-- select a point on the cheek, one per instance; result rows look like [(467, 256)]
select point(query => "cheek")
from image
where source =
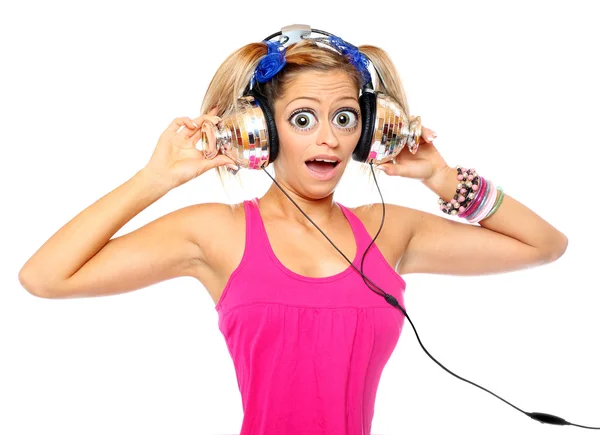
[(355, 136), (291, 145), (291, 139), (285, 134), (288, 140), (356, 133)]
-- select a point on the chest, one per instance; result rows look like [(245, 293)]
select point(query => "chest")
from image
[(303, 251), (307, 252)]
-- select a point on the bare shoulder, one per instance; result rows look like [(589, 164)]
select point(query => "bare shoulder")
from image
[(397, 217), (208, 223), (219, 232), (397, 231)]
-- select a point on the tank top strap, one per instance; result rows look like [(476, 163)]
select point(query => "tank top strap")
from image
[(363, 239), (253, 225)]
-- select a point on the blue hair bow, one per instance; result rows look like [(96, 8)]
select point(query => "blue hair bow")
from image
[(354, 56), (271, 64)]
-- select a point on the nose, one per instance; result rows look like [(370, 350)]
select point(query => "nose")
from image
[(326, 135)]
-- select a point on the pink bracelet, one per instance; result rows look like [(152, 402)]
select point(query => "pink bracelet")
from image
[(475, 211), (477, 200), (491, 199)]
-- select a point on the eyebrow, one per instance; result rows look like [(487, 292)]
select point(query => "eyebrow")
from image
[(318, 101)]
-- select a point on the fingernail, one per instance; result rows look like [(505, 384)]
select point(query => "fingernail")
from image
[(232, 169), (434, 134), (194, 124)]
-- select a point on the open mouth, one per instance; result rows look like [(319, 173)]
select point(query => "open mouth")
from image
[(322, 169), (322, 166)]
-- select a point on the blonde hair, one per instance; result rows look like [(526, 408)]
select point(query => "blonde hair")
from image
[(234, 74)]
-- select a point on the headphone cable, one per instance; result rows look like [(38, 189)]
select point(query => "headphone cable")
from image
[(538, 416)]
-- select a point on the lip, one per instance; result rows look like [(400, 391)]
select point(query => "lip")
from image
[(323, 176), (326, 157)]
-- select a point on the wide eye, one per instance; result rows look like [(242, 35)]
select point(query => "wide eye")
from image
[(346, 119), (303, 120)]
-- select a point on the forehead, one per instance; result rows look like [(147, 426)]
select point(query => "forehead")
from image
[(322, 85)]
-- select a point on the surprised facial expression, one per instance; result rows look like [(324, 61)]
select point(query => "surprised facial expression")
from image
[(319, 114)]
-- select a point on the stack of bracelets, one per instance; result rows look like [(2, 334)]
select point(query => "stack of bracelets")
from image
[(476, 198)]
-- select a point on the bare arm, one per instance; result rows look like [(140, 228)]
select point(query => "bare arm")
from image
[(81, 259), (78, 241), (511, 239)]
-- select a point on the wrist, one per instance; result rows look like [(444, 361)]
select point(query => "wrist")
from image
[(443, 183), (154, 181)]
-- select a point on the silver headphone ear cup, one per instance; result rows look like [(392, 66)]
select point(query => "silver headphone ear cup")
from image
[(242, 135), (386, 129)]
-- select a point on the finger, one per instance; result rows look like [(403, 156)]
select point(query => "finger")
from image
[(190, 124), (219, 160), (392, 169), (206, 117), (409, 169), (427, 134), (183, 123), (196, 136), (175, 125), (188, 128)]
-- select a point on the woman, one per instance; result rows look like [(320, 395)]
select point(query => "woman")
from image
[(308, 338)]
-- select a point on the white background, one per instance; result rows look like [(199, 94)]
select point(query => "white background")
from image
[(511, 88)]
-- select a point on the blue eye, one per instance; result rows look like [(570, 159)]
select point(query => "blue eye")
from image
[(302, 120)]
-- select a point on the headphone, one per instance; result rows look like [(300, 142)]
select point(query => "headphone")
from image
[(249, 137)]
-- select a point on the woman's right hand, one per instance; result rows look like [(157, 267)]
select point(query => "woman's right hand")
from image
[(176, 160)]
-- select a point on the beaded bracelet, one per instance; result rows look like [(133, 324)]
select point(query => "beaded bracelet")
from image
[(465, 193), (476, 198)]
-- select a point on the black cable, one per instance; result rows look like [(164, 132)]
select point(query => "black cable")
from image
[(538, 416)]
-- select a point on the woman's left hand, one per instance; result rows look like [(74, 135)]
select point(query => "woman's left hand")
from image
[(424, 165)]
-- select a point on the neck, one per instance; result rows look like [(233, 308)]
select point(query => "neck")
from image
[(278, 205)]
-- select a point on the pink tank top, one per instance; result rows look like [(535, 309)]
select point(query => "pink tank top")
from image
[(308, 352)]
